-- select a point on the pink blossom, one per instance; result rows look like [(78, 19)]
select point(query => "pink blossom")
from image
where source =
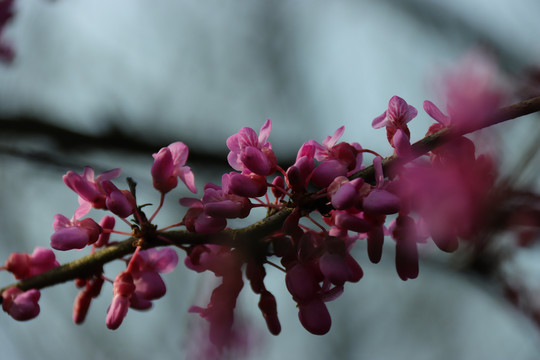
[(24, 266), (6, 13), (123, 289), (472, 93), (196, 220), (169, 164), (21, 305), (298, 175), (90, 190), (247, 185), (395, 120), (219, 202), (403, 230), (145, 269), (73, 234), (220, 310), (314, 316), (345, 194), (119, 202), (92, 288), (249, 153), (380, 201), (106, 223)]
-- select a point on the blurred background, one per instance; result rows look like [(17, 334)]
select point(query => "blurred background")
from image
[(107, 84)]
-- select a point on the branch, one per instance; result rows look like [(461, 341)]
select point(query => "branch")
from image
[(93, 263), (244, 237)]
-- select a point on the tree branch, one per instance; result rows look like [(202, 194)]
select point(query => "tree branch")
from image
[(244, 237)]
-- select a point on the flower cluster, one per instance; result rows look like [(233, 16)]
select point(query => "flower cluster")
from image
[(326, 202)]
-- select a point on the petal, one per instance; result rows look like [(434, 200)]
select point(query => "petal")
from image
[(179, 152), (117, 312), (315, 317), (69, 238), (380, 121), (331, 141), (265, 132), (187, 176), (435, 113)]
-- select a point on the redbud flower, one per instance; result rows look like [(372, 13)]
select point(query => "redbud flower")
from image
[(6, 13), (21, 305), (314, 316), (106, 223), (472, 94), (249, 153), (73, 234), (397, 116), (169, 164), (145, 271), (90, 190), (23, 265), (123, 288), (119, 202)]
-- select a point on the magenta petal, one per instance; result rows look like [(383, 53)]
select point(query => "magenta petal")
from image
[(265, 132), (21, 305), (315, 317), (375, 242), (162, 171), (69, 238), (149, 285), (179, 152), (301, 283), (268, 306), (247, 186), (380, 121), (433, 111), (256, 161), (163, 260), (380, 202), (402, 144), (347, 221), (331, 141), (334, 268), (326, 172), (187, 176), (224, 209), (117, 312), (205, 224), (118, 204), (344, 197)]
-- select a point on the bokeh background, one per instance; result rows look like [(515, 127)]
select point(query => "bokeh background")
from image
[(107, 83)]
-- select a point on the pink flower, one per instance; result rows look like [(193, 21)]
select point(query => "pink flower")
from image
[(247, 185), (220, 310), (92, 288), (90, 190), (337, 159), (119, 202), (249, 153), (380, 201), (23, 265), (21, 305), (106, 223), (145, 271), (472, 94), (123, 289), (404, 231), (6, 13), (169, 164), (73, 234), (395, 120)]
